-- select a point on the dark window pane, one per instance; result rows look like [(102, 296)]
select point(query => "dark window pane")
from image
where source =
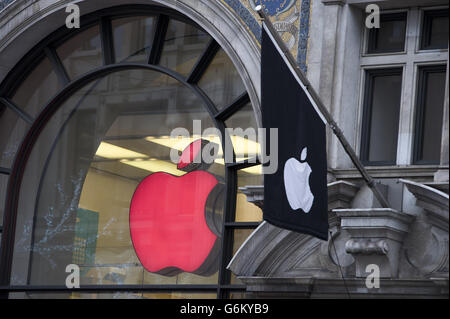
[(381, 116), (435, 30), (132, 38), (81, 53), (221, 81), (12, 131), (243, 131), (250, 182), (390, 37), (183, 46), (430, 105)]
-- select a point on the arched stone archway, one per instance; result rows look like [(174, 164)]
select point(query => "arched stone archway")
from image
[(26, 22)]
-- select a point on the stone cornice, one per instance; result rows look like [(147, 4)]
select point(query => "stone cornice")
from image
[(334, 2), (337, 288), (433, 201)]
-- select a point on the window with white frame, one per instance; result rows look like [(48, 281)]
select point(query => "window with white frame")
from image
[(403, 66)]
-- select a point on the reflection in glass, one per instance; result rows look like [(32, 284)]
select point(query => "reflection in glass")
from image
[(390, 37), (114, 295), (221, 81), (240, 235), (429, 114), (12, 131), (132, 38), (91, 162), (250, 182), (183, 46), (82, 53), (243, 130), (37, 89)]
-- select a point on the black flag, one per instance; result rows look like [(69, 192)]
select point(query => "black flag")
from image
[(295, 196)]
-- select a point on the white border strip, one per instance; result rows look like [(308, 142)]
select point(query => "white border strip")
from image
[(295, 74)]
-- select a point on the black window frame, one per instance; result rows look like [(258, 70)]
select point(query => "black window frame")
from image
[(373, 32), (423, 72), (367, 111), (425, 28), (46, 48)]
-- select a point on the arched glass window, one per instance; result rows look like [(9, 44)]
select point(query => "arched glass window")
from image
[(86, 149)]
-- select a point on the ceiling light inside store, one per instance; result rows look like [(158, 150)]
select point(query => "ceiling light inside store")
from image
[(155, 165), (242, 146), (111, 151)]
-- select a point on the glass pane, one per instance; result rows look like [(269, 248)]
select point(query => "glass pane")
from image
[(99, 186), (37, 89), (435, 30), (250, 195), (133, 38), (221, 81), (384, 117), (390, 37), (433, 103), (3, 189), (183, 46), (240, 235), (82, 53), (12, 131), (243, 130)]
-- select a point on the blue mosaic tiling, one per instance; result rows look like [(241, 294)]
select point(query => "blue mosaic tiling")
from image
[(246, 16), (4, 3), (303, 34), (255, 28)]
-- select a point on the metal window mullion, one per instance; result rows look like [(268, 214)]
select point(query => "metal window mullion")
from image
[(158, 41), (5, 171), (203, 63), (57, 65), (13, 107), (241, 225), (254, 161), (235, 106), (227, 233), (110, 288), (107, 41)]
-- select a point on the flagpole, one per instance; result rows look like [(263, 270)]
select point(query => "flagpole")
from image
[(322, 108)]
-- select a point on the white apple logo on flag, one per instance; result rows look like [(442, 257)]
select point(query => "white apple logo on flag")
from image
[(296, 183)]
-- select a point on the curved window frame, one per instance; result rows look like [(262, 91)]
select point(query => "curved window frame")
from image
[(47, 49)]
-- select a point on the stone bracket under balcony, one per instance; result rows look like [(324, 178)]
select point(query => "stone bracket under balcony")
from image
[(376, 237)]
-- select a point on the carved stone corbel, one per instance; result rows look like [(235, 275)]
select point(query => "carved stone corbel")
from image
[(376, 236)]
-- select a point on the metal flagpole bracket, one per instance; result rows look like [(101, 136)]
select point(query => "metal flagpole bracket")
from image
[(258, 9), (322, 108)]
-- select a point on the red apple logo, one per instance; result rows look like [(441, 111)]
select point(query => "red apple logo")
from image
[(169, 218)]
